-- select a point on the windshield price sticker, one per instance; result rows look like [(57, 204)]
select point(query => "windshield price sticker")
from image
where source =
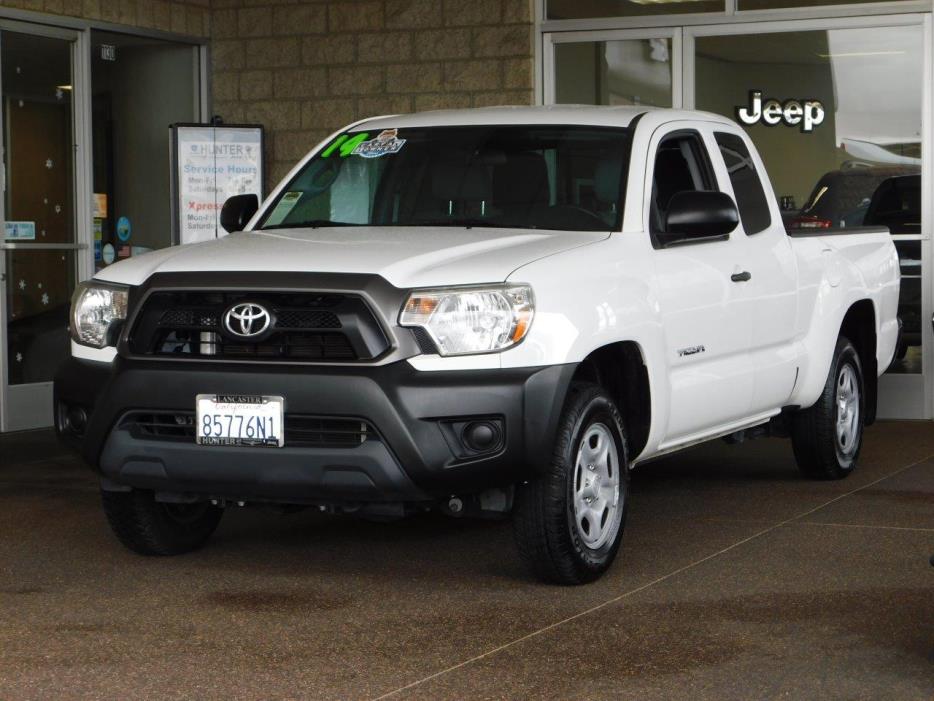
[(385, 143), (286, 205)]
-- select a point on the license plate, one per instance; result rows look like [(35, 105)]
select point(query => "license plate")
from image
[(240, 420)]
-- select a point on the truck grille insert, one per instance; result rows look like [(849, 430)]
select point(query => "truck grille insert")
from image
[(308, 327), (300, 430)]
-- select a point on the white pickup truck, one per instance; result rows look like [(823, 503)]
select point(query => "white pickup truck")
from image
[(479, 311)]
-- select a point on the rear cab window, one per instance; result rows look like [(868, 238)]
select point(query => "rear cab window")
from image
[(747, 186)]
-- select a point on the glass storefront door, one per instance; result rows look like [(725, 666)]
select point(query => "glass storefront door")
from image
[(854, 157), (857, 154), (39, 249), (139, 86)]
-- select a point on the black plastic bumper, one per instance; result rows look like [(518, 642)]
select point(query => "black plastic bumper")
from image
[(415, 459)]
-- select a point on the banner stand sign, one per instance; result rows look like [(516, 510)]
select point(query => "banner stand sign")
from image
[(209, 164)]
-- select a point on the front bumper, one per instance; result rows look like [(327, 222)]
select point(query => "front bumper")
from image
[(415, 459)]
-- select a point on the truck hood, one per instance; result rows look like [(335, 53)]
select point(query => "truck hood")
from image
[(404, 256)]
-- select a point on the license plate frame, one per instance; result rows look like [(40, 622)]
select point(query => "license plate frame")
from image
[(259, 420)]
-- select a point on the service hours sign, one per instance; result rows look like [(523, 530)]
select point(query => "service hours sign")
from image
[(211, 163)]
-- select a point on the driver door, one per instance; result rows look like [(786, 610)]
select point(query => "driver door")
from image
[(704, 317)]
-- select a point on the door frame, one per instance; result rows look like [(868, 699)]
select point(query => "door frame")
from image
[(902, 396), (30, 405), (38, 404)]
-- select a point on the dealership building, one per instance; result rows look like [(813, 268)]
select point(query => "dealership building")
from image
[(836, 95)]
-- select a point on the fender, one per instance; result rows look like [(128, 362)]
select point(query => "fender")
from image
[(832, 282), (613, 300)]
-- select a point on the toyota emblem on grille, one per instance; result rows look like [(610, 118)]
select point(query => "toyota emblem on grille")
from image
[(247, 320)]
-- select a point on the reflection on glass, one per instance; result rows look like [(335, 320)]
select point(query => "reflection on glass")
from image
[(861, 165), (37, 138), (38, 293), (627, 72), (580, 9), (38, 152)]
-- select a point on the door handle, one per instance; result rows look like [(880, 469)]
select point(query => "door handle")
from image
[(744, 276)]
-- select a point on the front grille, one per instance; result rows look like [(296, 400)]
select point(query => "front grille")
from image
[(304, 327), (303, 319), (301, 346), (165, 426), (300, 430)]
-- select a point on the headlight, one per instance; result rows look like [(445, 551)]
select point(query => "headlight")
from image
[(95, 307), (471, 320)]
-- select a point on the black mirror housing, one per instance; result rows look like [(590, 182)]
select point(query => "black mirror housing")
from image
[(700, 214), (237, 212)]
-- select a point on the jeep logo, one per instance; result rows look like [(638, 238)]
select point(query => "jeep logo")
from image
[(804, 113)]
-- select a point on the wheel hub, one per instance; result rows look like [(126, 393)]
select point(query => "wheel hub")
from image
[(596, 494), (847, 400)]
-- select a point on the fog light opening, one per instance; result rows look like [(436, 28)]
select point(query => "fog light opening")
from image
[(480, 436), (76, 419)]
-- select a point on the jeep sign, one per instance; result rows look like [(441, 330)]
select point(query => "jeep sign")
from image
[(804, 113)]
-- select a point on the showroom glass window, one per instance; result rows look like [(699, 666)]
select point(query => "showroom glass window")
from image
[(617, 72), (857, 161)]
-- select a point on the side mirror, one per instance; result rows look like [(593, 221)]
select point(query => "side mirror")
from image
[(700, 214), (237, 211)]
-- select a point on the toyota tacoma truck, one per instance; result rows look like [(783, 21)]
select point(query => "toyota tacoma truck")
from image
[(478, 311)]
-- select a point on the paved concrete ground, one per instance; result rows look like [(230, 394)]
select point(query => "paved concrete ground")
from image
[(738, 580)]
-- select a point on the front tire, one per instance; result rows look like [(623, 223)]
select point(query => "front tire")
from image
[(149, 527), (828, 436), (569, 520)]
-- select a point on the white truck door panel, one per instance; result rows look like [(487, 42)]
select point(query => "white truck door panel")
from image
[(706, 339), (773, 292), (706, 333), (766, 254)]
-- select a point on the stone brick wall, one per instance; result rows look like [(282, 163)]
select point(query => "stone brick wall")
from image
[(181, 16), (303, 69)]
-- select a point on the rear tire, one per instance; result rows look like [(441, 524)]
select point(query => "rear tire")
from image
[(149, 527), (569, 521), (828, 436)]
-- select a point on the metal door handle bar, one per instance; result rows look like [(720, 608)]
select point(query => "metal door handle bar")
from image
[(43, 246)]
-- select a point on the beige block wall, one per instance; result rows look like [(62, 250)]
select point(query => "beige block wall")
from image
[(304, 69), (181, 16)]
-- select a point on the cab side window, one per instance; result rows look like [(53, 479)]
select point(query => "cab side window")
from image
[(747, 187), (681, 164)]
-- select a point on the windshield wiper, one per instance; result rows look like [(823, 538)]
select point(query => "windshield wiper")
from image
[(312, 224)]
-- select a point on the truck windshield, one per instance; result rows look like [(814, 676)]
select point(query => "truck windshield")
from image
[(532, 177)]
